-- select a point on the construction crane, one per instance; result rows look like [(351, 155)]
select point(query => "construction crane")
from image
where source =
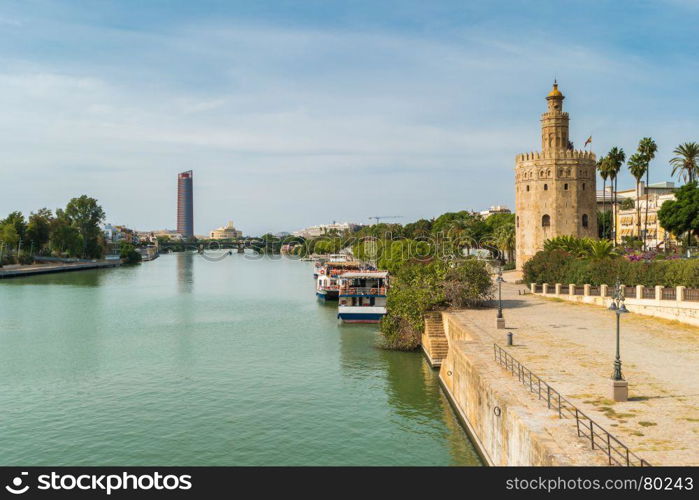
[(378, 218)]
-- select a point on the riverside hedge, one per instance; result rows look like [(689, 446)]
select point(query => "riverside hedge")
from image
[(558, 266)]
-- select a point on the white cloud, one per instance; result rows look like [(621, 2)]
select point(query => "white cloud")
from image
[(288, 125)]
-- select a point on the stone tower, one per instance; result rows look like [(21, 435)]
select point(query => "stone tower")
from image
[(555, 188)]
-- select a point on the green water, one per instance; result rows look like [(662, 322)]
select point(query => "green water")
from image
[(184, 361)]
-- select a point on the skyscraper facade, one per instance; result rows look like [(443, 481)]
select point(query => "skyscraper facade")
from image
[(185, 204)]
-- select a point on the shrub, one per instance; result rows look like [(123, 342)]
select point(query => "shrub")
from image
[(128, 254), (546, 267), (419, 287), (558, 267)]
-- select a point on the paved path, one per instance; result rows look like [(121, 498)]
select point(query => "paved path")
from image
[(572, 347)]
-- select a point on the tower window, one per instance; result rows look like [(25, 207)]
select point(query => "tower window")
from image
[(546, 221), (518, 221), (583, 186), (565, 186), (585, 220), (527, 187), (546, 187)]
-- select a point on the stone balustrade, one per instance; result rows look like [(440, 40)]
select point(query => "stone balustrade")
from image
[(673, 303)]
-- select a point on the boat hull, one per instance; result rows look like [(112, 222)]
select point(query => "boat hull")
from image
[(361, 314), (327, 295)]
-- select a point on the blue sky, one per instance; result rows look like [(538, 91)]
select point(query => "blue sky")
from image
[(294, 113)]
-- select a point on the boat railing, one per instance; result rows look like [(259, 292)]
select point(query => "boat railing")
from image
[(363, 290), (330, 287)]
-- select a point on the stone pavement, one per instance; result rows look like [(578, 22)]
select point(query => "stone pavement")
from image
[(572, 347)]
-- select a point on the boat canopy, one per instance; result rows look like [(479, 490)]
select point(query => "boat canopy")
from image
[(365, 274)]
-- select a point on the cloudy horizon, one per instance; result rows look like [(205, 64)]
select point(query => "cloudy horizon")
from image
[(293, 113)]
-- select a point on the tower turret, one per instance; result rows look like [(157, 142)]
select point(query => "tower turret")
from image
[(554, 123)]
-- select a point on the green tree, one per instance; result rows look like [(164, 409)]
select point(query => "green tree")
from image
[(647, 148), (64, 238), (603, 169), (85, 214), (8, 236), (681, 215), (128, 253), (686, 163), (616, 158), (504, 239), (604, 223), (16, 219), (638, 167), (39, 228)]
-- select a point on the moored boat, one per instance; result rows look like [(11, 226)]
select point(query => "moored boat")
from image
[(362, 296), (327, 281)]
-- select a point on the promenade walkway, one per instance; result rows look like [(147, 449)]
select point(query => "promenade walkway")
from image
[(572, 347)]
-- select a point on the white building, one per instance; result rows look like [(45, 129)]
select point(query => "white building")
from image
[(322, 229), (227, 232)]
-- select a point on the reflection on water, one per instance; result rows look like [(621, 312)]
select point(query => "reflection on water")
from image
[(185, 275), (88, 278), (242, 367)]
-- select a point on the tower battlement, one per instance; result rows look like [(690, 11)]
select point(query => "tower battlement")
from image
[(554, 154)]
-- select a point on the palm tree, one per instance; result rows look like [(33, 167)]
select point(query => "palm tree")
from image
[(603, 168), (600, 249), (504, 239), (616, 157), (685, 164), (647, 147), (638, 166)]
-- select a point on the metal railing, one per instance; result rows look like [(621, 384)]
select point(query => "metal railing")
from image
[(691, 294), (595, 291), (617, 452), (578, 290), (648, 293), (669, 294)]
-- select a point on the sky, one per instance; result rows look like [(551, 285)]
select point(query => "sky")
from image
[(295, 113)]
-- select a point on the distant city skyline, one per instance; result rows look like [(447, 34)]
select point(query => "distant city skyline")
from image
[(295, 114)]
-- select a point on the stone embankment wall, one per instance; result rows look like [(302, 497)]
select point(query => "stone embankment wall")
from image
[(506, 424)]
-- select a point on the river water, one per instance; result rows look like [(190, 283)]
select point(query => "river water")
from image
[(187, 361)]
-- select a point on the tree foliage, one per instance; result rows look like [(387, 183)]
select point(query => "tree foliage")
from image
[(681, 215)]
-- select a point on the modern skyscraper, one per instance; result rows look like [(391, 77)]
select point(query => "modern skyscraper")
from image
[(185, 204)]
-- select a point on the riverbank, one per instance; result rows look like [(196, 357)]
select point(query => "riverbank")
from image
[(54, 267)]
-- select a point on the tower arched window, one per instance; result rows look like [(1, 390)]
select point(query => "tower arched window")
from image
[(583, 186), (546, 220), (585, 221), (546, 187), (565, 186), (527, 187)]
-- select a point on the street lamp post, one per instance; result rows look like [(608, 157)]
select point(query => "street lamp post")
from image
[(620, 387), (500, 321)]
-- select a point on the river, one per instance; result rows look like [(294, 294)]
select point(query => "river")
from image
[(189, 361)]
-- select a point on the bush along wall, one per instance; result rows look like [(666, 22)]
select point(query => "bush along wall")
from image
[(558, 266)]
